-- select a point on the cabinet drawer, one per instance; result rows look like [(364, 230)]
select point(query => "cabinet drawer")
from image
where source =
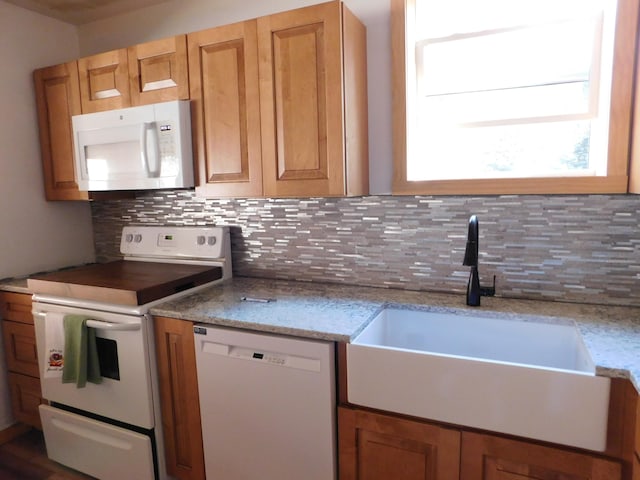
[(20, 348), (16, 307), (26, 396)]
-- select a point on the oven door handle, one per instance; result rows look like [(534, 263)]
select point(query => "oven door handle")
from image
[(113, 327)]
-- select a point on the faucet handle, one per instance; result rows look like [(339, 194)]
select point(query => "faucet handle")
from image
[(489, 291)]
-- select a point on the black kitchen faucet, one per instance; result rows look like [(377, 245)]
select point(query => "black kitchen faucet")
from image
[(474, 290)]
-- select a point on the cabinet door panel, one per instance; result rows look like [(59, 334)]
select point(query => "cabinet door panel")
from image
[(20, 348), (301, 101), (26, 396), (376, 447), (158, 71), (104, 82), (179, 398), (58, 98), (485, 457), (16, 307), (223, 65)]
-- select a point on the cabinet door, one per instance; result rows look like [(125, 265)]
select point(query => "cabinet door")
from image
[(104, 81), (223, 70), (301, 101), (57, 99), (485, 457), (179, 398), (381, 447), (20, 348), (26, 396), (158, 71), (16, 307)]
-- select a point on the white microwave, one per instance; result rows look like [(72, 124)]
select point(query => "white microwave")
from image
[(137, 148)]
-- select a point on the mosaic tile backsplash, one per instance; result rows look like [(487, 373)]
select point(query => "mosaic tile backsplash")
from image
[(580, 248)]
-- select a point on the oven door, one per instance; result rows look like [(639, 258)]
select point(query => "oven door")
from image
[(125, 393)]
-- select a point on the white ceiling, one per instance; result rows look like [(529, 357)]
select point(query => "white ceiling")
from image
[(79, 12)]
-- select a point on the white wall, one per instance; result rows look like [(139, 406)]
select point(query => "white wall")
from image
[(183, 16), (34, 234)]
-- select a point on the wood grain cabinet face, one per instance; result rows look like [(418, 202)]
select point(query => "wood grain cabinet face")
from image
[(20, 348), (485, 457), (26, 396), (280, 105), (158, 71), (176, 359), (104, 81), (57, 99), (380, 447), (303, 95), (16, 307), (223, 64), (19, 339)]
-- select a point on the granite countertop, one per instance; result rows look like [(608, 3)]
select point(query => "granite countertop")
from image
[(16, 285), (339, 312)]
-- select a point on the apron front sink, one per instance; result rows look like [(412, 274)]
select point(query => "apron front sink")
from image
[(523, 376)]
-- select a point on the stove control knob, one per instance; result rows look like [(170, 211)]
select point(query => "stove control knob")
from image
[(137, 238), (200, 240), (212, 240), (128, 238)]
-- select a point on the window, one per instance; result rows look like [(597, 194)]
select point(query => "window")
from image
[(527, 96)]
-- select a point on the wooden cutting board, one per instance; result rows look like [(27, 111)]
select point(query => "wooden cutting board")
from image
[(123, 282)]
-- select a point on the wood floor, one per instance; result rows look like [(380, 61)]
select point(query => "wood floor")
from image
[(25, 458)]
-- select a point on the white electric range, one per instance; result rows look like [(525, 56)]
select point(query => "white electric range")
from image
[(113, 429)]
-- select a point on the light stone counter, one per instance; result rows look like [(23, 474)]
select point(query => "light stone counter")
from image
[(340, 312), (15, 285)]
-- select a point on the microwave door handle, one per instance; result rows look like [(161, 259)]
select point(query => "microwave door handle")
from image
[(144, 152), (113, 327)]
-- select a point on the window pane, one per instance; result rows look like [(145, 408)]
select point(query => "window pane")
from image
[(528, 150), (506, 105), (441, 18), (512, 88), (540, 55)]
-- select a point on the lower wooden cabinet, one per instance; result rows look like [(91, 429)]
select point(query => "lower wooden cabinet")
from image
[(20, 348), (487, 457), (376, 446), (180, 405), (26, 396), (19, 339), (373, 446)]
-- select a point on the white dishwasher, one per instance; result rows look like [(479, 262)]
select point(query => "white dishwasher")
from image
[(267, 404)]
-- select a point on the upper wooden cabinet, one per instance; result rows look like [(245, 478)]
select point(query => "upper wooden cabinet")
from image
[(104, 81), (142, 74), (279, 103), (225, 108), (146, 73), (158, 71), (304, 73), (57, 99), (313, 102)]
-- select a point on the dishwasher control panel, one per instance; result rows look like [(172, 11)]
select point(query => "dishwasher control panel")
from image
[(259, 356)]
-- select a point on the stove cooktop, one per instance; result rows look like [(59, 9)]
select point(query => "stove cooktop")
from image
[(124, 282)]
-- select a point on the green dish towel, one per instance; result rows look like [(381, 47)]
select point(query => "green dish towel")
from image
[(80, 352)]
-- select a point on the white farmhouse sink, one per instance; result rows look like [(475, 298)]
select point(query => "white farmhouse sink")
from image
[(529, 378)]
